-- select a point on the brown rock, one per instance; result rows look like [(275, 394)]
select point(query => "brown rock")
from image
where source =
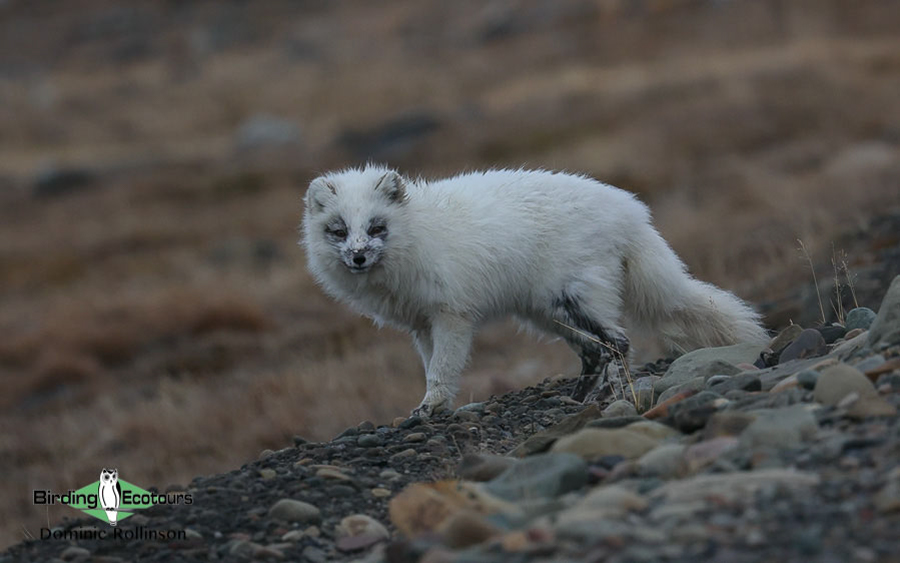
[(466, 528)]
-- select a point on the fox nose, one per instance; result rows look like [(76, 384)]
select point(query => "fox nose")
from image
[(359, 258)]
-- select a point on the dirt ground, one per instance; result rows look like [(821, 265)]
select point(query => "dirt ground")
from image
[(155, 311)]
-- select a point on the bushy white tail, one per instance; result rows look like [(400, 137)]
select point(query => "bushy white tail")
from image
[(662, 297)]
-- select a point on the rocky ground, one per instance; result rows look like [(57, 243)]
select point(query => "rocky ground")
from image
[(789, 452)]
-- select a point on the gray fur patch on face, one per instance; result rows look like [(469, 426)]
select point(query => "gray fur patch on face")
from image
[(364, 247)]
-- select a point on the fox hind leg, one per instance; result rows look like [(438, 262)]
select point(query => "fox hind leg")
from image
[(598, 344)]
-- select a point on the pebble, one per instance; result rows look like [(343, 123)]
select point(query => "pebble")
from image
[(403, 455), (707, 362), (731, 488), (620, 408), (74, 553), (860, 318), (699, 455), (483, 467), (466, 528), (742, 382), (695, 384), (540, 476), (838, 381), (591, 443), (692, 413), (780, 428), (807, 379), (832, 333), (369, 441), (267, 473), (717, 379), (727, 423), (870, 363), (784, 338), (332, 473), (380, 492), (361, 525), (313, 554), (665, 461), (809, 344), (415, 437), (291, 510)]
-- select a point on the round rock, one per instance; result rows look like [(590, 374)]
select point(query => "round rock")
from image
[(291, 510), (859, 318), (840, 380)]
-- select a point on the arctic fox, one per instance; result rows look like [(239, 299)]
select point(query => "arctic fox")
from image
[(565, 253)]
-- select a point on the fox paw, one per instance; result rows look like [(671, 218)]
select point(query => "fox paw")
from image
[(428, 409)]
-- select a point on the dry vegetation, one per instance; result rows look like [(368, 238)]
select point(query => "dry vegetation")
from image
[(158, 318)]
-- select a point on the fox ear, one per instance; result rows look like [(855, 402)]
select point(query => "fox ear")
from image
[(320, 192), (393, 187)]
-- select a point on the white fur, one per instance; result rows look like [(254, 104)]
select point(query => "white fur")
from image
[(483, 245)]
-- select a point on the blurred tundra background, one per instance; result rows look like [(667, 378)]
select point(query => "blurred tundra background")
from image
[(155, 312)]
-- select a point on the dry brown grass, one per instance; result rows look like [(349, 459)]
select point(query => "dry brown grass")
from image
[(162, 321)]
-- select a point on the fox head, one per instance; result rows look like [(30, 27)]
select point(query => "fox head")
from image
[(354, 219)]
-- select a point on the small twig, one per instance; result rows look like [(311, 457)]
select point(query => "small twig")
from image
[(839, 308), (815, 280), (849, 278)]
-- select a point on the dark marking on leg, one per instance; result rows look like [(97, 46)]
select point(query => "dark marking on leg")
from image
[(595, 354)]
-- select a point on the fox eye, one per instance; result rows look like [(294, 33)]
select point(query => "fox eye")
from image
[(338, 233), (376, 230)]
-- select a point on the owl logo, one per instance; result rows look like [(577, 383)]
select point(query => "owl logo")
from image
[(110, 493)]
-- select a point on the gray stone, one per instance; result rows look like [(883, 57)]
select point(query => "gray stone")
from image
[(692, 413), (540, 476), (848, 347), (770, 377), (840, 380), (619, 408), (542, 441), (733, 487), (861, 317), (780, 428), (369, 441), (886, 326), (784, 338), (716, 379), (695, 384), (664, 461), (707, 362), (832, 333), (483, 466), (615, 422), (870, 363), (809, 344), (74, 553), (808, 378), (747, 381), (291, 510)]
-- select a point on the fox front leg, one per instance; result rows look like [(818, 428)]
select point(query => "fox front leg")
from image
[(451, 340)]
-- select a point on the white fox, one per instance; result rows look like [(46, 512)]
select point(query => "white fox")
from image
[(565, 253)]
